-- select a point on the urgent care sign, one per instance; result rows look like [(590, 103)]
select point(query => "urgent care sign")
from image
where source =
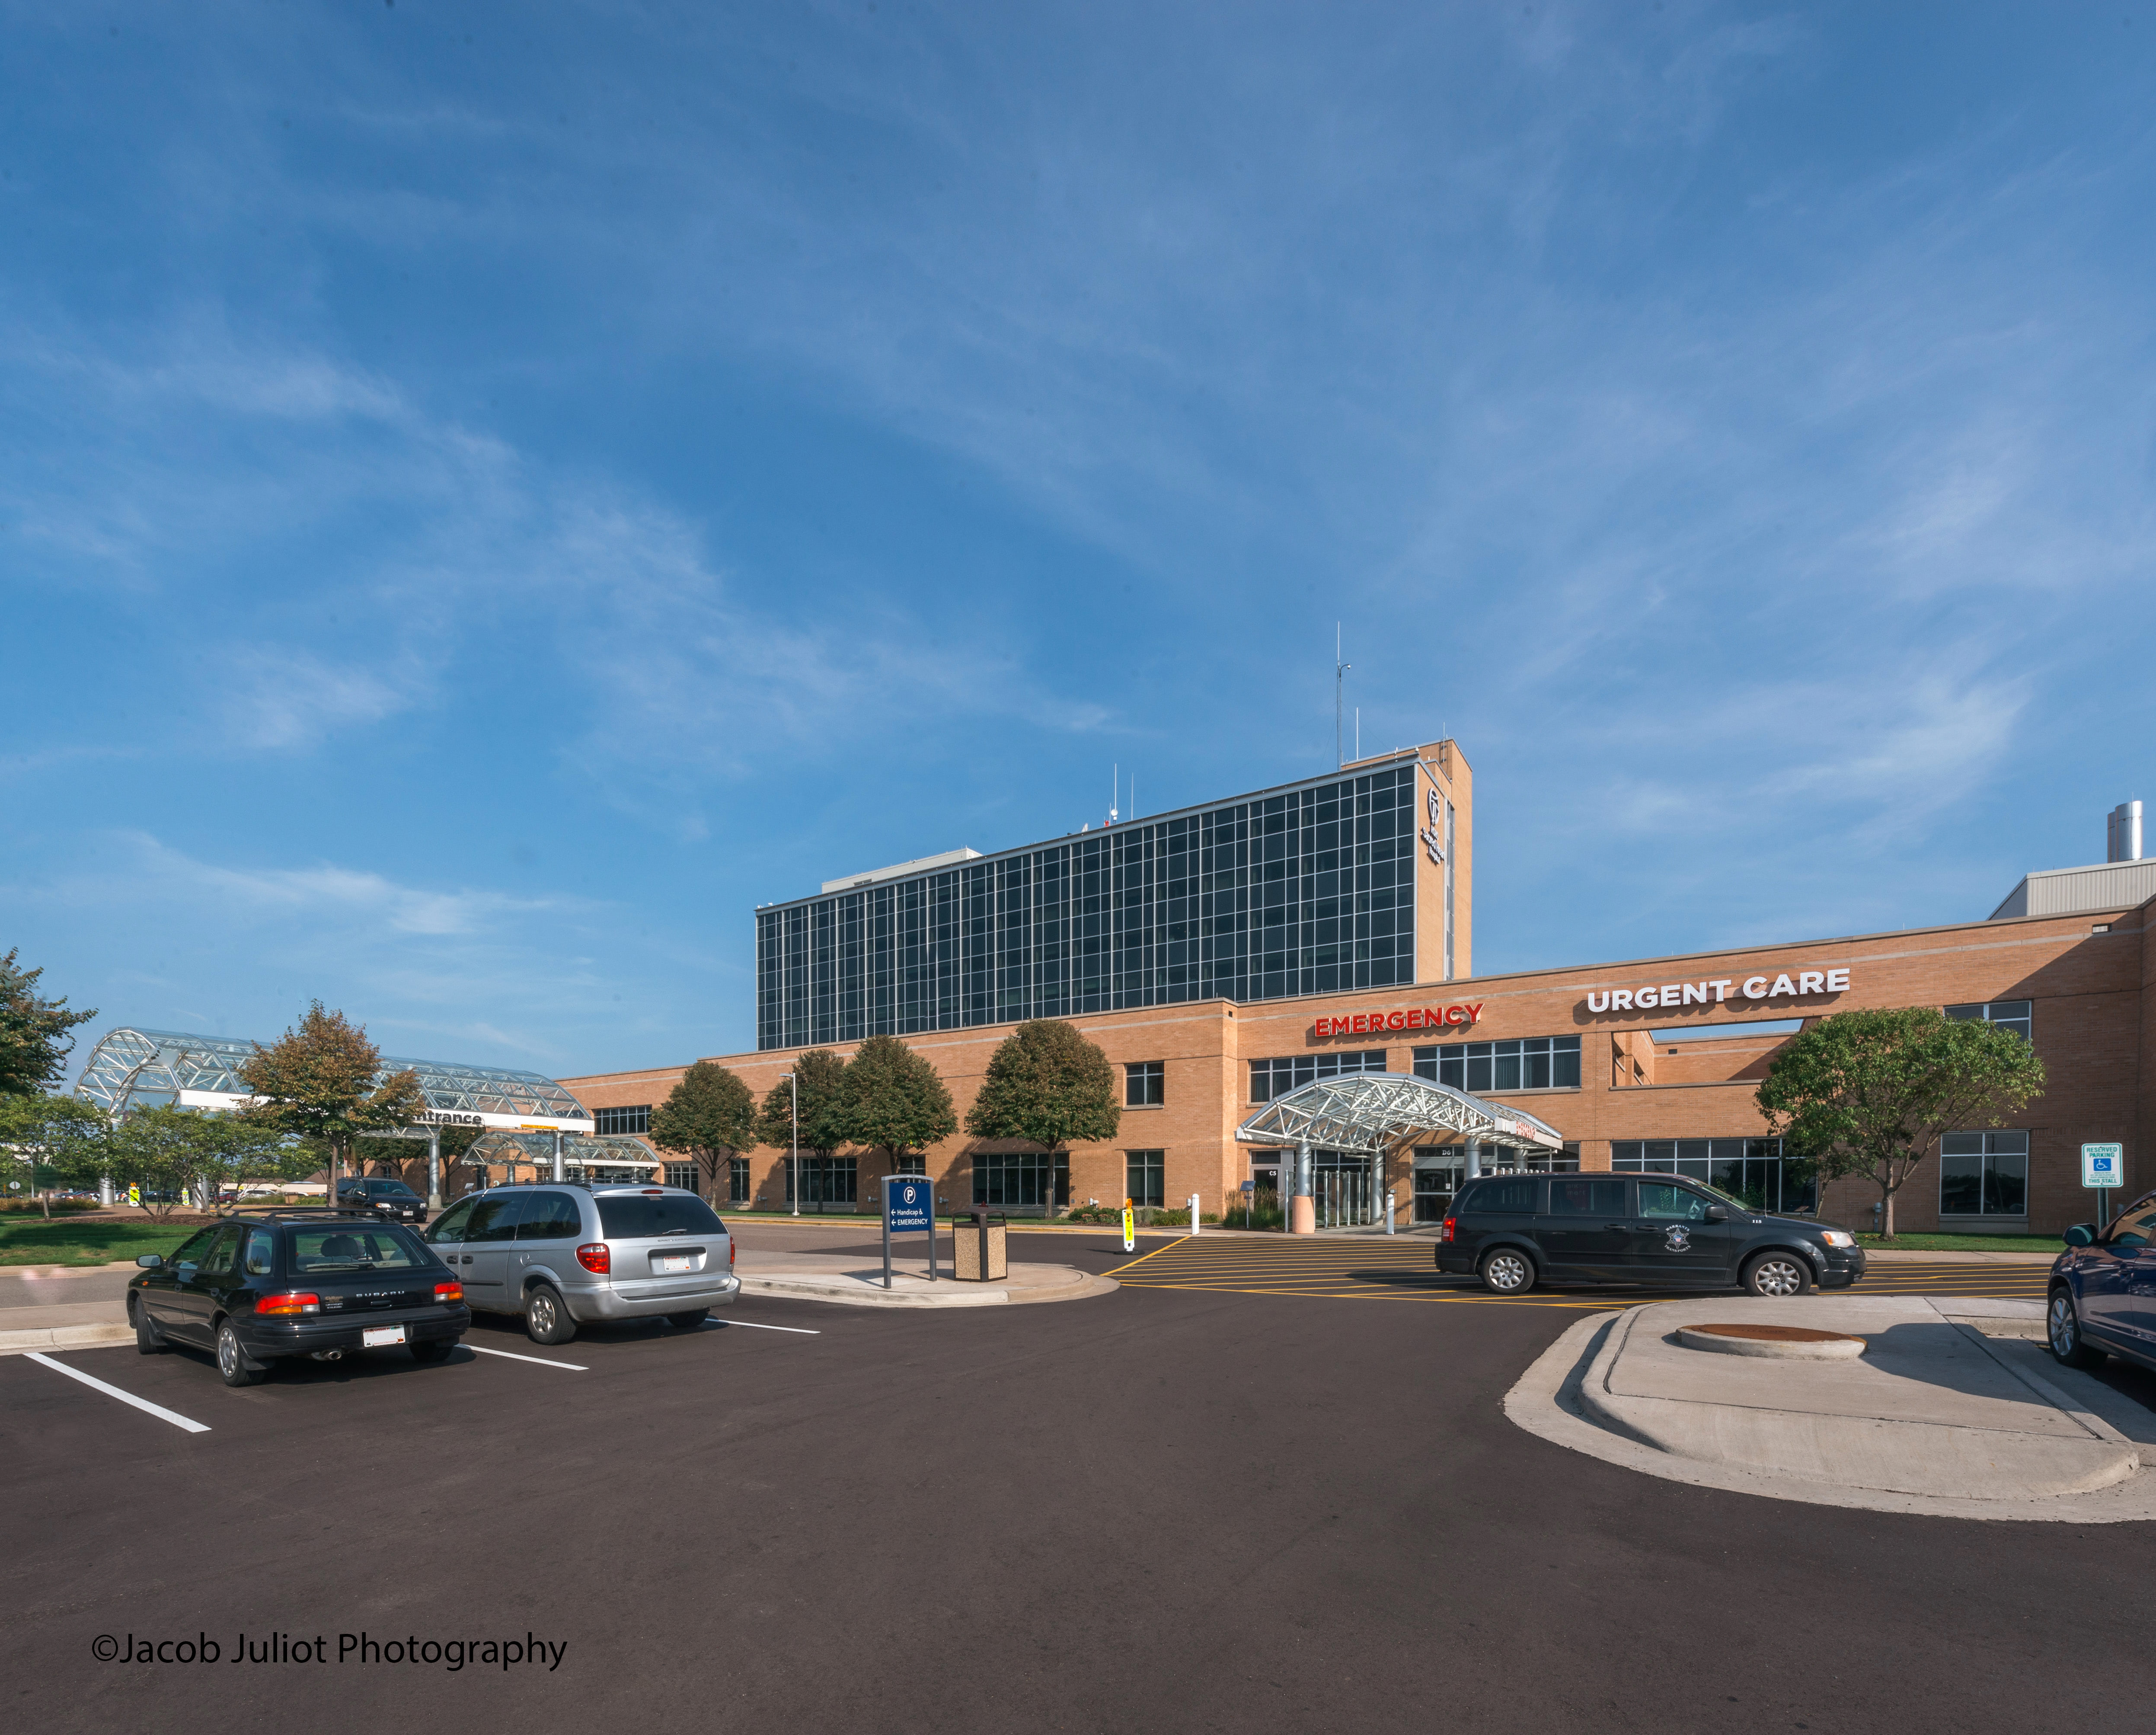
[(1411, 1018), (1782, 986)]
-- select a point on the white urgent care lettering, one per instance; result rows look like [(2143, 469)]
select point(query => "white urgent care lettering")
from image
[(1716, 991)]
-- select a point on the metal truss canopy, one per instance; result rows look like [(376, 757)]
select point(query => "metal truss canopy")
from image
[(1376, 1111), (582, 1157), (132, 1069)]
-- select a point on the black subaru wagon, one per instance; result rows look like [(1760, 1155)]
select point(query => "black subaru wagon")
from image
[(258, 1289), (1514, 1231)]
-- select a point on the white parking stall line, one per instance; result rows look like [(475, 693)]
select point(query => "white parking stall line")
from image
[(157, 1410), (535, 1361), (798, 1331)]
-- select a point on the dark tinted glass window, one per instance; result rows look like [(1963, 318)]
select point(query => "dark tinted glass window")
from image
[(449, 1226), (1662, 1202), (261, 1252), (1582, 1196), (390, 1189), (494, 1218), (1516, 1196), (375, 1247), (192, 1250), (550, 1217), (225, 1255), (636, 1216)]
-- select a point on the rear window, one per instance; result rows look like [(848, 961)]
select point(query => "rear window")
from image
[(637, 1216), (336, 1248), (1512, 1196)]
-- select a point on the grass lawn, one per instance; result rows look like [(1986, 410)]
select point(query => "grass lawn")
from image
[(97, 1242), (2047, 1245)]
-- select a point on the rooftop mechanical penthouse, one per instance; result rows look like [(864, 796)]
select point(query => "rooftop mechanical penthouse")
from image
[(1359, 879)]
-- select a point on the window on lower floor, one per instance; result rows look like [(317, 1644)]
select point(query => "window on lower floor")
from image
[(1984, 1174), (681, 1174), (1749, 1169), (825, 1180), (1276, 1077), (738, 1180), (1021, 1178), (1145, 1176), (1145, 1084), (1525, 1063), (2008, 1015), (910, 1165), (634, 1120)]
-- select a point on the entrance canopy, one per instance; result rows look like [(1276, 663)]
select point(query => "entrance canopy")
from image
[(1376, 1111), (134, 1069), (610, 1157)]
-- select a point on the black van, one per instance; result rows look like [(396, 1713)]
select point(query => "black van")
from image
[(1664, 1231)]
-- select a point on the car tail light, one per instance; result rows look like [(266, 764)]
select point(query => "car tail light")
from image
[(654, 1193), (1445, 1231), (294, 1300), (730, 1253), (596, 1256), (449, 1292)]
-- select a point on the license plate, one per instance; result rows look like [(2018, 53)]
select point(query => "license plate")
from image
[(375, 1336), (665, 1262)]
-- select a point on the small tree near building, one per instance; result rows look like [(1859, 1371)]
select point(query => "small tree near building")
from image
[(709, 1116), (319, 1080), (34, 1043), (1871, 1093), (895, 1101), (1047, 1085)]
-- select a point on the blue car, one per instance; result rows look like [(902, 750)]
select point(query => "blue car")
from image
[(2103, 1290)]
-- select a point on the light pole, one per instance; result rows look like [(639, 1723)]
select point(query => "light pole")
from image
[(1339, 677), (794, 1091)]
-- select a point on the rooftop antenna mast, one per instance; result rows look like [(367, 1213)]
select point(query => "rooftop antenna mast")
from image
[(1114, 790), (1339, 678)]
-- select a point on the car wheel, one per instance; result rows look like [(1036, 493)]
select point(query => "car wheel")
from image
[(1778, 1274), (545, 1318), (2062, 1331), (147, 1338), (1508, 1272), (688, 1322), (436, 1350), (232, 1359)]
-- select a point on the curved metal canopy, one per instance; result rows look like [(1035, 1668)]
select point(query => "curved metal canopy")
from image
[(582, 1157), (130, 1068), (1376, 1111)]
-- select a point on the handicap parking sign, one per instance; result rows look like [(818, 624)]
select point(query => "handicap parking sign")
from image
[(2102, 1165), (909, 1204)]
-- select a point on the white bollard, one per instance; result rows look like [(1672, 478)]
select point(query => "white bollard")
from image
[(1194, 1214), (1388, 1210)]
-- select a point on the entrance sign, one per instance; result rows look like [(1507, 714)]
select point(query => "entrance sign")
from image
[(2102, 1165), (909, 1208)]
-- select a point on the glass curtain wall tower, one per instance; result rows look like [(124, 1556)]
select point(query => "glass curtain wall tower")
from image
[(1352, 880)]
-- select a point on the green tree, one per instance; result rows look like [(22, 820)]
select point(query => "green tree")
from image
[(709, 1115), (182, 1156), (895, 1101), (821, 1076), (320, 1080), (1869, 1093), (53, 1141), (34, 1043), (1048, 1085)]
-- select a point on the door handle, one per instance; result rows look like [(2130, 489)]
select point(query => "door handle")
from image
[(1616, 1225)]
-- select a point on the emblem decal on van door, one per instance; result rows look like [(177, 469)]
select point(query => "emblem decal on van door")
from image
[(1680, 1238)]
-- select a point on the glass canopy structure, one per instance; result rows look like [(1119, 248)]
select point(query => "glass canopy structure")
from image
[(607, 1157), (134, 1069), (1376, 1112)]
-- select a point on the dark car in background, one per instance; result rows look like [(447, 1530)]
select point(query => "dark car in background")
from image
[(1663, 1231), (263, 1287), (390, 1198), (2102, 1291)]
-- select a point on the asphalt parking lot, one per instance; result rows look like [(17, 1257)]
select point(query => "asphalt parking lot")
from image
[(1166, 1508)]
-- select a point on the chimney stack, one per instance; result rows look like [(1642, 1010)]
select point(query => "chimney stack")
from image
[(2123, 833)]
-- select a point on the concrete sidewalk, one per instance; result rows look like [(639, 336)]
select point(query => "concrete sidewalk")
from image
[(1943, 1414), (859, 1283)]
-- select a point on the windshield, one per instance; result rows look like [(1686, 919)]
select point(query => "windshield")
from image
[(391, 1189), (336, 1248), (641, 1216)]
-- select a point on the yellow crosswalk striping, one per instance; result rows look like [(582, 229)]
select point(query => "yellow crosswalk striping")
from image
[(1404, 1269)]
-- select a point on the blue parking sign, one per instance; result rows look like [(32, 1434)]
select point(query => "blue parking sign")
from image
[(909, 1204)]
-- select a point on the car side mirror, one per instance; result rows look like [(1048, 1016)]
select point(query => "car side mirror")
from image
[(149, 1261), (1717, 1213), (2081, 1234)]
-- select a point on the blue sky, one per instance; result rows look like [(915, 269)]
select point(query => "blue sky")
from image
[(489, 494)]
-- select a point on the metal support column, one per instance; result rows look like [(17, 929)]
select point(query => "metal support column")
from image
[(433, 1168), (558, 1154)]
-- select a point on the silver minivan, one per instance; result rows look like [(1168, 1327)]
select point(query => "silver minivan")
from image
[(563, 1254)]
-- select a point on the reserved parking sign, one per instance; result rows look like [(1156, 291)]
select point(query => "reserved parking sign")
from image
[(2102, 1165)]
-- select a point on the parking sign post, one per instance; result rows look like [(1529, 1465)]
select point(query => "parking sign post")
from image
[(909, 1208), (2103, 1167)]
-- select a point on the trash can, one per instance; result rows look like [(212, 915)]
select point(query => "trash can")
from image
[(978, 1247)]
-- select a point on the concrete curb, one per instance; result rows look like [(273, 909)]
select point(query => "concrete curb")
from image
[(1549, 1402), (21, 1343), (852, 1292)]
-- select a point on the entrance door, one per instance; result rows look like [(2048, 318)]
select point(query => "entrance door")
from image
[(1434, 1185)]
